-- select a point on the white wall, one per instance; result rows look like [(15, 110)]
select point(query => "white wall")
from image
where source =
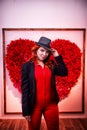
[(41, 14)]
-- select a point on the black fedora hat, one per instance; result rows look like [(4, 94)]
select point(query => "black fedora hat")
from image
[(44, 42)]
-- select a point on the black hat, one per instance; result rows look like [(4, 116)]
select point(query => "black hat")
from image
[(44, 42)]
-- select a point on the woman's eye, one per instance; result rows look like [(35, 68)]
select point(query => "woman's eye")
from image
[(46, 51), (42, 50)]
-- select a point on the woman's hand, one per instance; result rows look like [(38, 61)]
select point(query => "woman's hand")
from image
[(28, 118), (55, 52)]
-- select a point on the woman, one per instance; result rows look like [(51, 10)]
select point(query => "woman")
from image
[(39, 95)]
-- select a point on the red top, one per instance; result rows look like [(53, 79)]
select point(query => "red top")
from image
[(44, 92)]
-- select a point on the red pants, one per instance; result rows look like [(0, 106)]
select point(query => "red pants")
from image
[(51, 116)]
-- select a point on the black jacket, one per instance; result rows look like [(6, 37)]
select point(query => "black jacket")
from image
[(28, 83)]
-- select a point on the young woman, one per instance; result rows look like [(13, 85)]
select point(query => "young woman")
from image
[(39, 95)]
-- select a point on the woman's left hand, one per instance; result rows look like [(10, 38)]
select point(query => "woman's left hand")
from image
[(28, 118), (55, 52)]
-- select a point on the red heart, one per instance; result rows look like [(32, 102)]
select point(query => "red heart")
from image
[(19, 51)]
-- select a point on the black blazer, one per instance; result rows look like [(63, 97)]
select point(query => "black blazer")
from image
[(28, 83)]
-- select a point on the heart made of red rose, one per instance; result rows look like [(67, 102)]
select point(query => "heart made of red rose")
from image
[(19, 51)]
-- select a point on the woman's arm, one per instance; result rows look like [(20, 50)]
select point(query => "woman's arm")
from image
[(59, 67), (25, 89)]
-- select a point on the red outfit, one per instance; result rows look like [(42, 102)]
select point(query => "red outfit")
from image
[(44, 100), (44, 92)]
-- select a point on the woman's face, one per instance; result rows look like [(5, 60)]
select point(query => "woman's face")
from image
[(42, 53)]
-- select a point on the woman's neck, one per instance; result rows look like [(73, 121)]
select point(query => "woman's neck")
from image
[(40, 63)]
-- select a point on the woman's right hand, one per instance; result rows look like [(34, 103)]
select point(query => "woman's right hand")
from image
[(28, 118), (55, 52)]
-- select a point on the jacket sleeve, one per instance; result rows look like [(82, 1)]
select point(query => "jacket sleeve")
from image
[(60, 67), (25, 89)]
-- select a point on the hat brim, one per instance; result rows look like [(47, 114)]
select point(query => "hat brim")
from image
[(49, 49)]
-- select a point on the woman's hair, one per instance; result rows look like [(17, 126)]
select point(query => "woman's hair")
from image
[(47, 61)]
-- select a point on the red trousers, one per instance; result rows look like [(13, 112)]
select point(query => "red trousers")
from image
[(51, 116)]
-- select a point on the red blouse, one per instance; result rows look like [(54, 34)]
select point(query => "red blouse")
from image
[(44, 94)]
